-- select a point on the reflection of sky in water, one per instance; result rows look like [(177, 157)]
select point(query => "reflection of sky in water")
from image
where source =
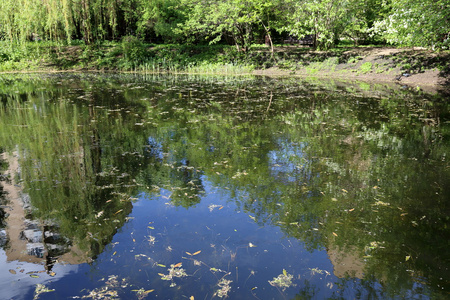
[(288, 161), (20, 285), (229, 240)]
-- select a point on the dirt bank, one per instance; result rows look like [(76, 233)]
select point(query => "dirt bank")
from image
[(417, 68)]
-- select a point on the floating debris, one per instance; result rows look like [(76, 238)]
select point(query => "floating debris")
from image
[(141, 293), (283, 280), (224, 288), (40, 289), (174, 271)]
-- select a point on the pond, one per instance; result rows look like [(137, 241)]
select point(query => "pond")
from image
[(191, 187)]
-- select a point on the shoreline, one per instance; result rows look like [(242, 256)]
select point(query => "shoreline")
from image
[(413, 68)]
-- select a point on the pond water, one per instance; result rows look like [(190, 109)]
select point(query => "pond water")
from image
[(178, 187)]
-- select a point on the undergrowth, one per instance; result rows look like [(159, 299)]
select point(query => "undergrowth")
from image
[(132, 54)]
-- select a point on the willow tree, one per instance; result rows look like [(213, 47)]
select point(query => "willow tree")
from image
[(61, 19)]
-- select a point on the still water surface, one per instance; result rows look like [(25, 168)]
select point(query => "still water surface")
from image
[(210, 187)]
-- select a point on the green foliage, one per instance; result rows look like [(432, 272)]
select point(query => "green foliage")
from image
[(416, 23), (159, 19), (366, 67), (132, 48), (403, 22)]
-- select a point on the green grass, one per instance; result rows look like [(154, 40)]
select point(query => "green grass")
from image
[(366, 67)]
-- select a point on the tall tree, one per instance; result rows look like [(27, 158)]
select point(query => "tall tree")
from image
[(214, 20), (417, 23), (326, 19), (159, 18)]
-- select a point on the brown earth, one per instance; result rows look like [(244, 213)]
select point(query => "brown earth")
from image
[(417, 68)]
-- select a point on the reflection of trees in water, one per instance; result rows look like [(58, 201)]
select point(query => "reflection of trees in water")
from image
[(63, 172), (356, 173)]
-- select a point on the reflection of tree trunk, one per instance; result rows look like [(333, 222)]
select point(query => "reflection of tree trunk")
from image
[(96, 151)]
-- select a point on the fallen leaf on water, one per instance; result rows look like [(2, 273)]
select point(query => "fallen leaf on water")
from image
[(190, 254), (178, 265), (198, 252), (220, 207), (34, 276), (251, 245), (52, 274), (191, 298), (12, 271), (161, 265)]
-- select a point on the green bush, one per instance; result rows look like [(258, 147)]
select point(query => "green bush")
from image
[(133, 49)]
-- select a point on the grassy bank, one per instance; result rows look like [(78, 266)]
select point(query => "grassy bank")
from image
[(131, 54)]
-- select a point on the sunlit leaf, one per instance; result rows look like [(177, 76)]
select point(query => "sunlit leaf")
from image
[(161, 265), (284, 272), (178, 265), (190, 254), (335, 234), (407, 258)]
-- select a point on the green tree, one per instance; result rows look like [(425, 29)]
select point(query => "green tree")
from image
[(325, 19), (218, 20), (423, 23), (159, 18)]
